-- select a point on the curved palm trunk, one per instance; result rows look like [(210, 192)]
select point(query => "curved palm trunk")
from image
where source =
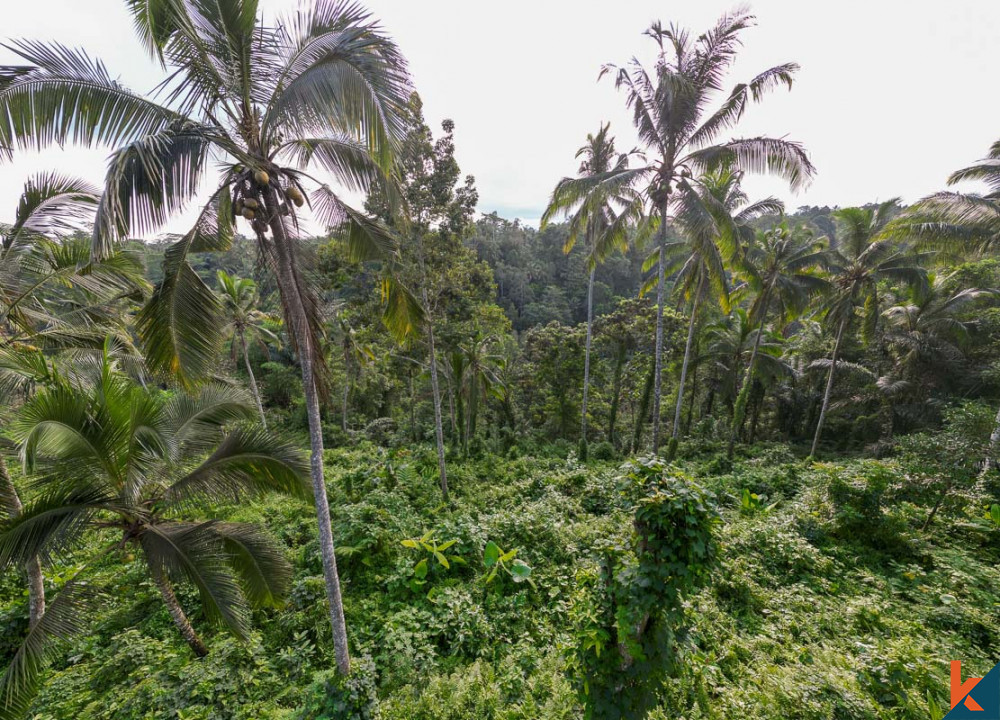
[(687, 359), (747, 381), (181, 621), (253, 381), (289, 289), (435, 388), (586, 354), (658, 353), (829, 388), (32, 568)]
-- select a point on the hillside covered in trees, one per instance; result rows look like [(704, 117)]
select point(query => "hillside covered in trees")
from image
[(678, 452)]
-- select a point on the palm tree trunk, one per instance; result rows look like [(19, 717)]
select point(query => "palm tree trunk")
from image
[(435, 388), (288, 286), (586, 354), (32, 568), (694, 395), (253, 381), (177, 612), (616, 393), (747, 379), (829, 388), (640, 418), (687, 360), (658, 352)]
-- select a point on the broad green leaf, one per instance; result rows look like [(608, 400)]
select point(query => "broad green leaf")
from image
[(420, 570), (491, 554), (520, 570)]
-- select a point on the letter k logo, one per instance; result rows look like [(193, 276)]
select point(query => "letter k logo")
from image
[(959, 690)]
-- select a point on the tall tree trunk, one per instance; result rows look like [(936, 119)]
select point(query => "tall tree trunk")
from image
[(435, 388), (616, 393), (687, 359), (694, 394), (288, 286), (177, 612), (640, 419), (758, 405), (747, 379), (991, 449), (33, 568), (473, 405), (346, 394), (253, 381), (413, 405), (658, 352), (586, 354), (829, 388)]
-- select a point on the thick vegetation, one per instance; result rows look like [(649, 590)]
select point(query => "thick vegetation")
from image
[(411, 468)]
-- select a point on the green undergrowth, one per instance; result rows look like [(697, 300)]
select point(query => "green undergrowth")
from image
[(828, 600)]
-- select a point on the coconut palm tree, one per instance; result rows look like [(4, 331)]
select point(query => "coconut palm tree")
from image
[(927, 329), (240, 300), (780, 268), (858, 258), (670, 109), (323, 89), (602, 213), (715, 217), (111, 460), (52, 295), (961, 224)]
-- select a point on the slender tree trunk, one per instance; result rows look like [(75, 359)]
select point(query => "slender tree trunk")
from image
[(758, 405), (616, 393), (435, 388), (253, 381), (829, 388), (345, 396), (288, 286), (937, 506), (413, 406), (32, 568), (640, 419), (473, 405), (694, 394), (586, 354), (993, 446), (658, 352), (747, 380), (687, 359), (177, 612)]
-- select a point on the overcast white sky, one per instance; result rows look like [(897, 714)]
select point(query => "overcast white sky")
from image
[(893, 94)]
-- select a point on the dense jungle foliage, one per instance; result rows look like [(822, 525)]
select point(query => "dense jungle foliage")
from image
[(678, 452)]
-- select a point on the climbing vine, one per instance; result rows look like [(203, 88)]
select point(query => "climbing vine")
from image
[(630, 611)]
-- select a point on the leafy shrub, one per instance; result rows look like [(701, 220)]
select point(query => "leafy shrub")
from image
[(603, 451), (857, 494), (332, 696)]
